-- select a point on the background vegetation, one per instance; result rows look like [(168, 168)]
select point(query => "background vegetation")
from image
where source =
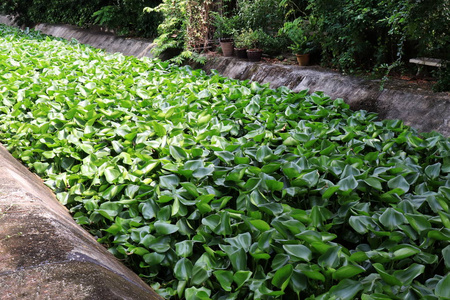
[(126, 17), (354, 36)]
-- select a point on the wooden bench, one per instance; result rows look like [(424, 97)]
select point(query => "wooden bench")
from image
[(432, 62)]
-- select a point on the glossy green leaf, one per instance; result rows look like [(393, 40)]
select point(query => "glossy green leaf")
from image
[(282, 277), (443, 288), (346, 289), (347, 272), (391, 218), (225, 279), (165, 228), (298, 252), (183, 269), (241, 277)]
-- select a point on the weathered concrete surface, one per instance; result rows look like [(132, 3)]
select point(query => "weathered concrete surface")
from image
[(424, 110), (44, 254), (94, 37)]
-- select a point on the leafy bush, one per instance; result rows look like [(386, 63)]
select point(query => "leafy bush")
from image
[(365, 35), (214, 188), (126, 17)]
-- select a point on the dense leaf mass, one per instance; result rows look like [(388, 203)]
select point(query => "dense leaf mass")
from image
[(214, 188)]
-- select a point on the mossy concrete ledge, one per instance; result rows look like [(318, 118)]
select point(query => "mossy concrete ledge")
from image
[(44, 254), (421, 109)]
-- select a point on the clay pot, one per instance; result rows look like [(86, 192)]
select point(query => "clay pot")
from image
[(240, 52), (303, 59), (227, 47), (254, 54)]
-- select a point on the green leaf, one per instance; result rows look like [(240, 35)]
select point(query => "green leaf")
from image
[(404, 252), (148, 209), (158, 128), (346, 289), (389, 279), (330, 259), (203, 172), (241, 277), (238, 260), (178, 153), (225, 279), (274, 185), (347, 272), (399, 182), (184, 248), (348, 183), (374, 182), (409, 274), (330, 191), (298, 252), (109, 210), (154, 258), (191, 188), (298, 282), (183, 269), (433, 171), (169, 181), (443, 288), (392, 218), (362, 224), (199, 274), (279, 260), (242, 241), (40, 167), (282, 277), (112, 175), (194, 293), (260, 225), (165, 228), (446, 255)]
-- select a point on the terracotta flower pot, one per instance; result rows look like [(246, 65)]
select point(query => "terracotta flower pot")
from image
[(227, 47), (254, 54), (240, 52), (303, 59)]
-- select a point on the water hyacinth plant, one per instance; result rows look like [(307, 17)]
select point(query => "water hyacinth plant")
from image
[(212, 188)]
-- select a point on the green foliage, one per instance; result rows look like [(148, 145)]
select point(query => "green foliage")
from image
[(224, 26), (184, 29), (124, 16), (172, 31), (302, 40), (211, 188), (366, 35), (266, 15), (247, 38), (128, 18)]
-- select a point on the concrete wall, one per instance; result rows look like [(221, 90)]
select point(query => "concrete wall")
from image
[(424, 110), (44, 254)]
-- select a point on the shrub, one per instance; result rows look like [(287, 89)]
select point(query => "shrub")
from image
[(127, 17)]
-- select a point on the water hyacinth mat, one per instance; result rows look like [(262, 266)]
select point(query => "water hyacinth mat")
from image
[(213, 188)]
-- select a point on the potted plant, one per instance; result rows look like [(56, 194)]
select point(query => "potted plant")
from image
[(240, 45), (224, 28), (301, 40), (249, 39)]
